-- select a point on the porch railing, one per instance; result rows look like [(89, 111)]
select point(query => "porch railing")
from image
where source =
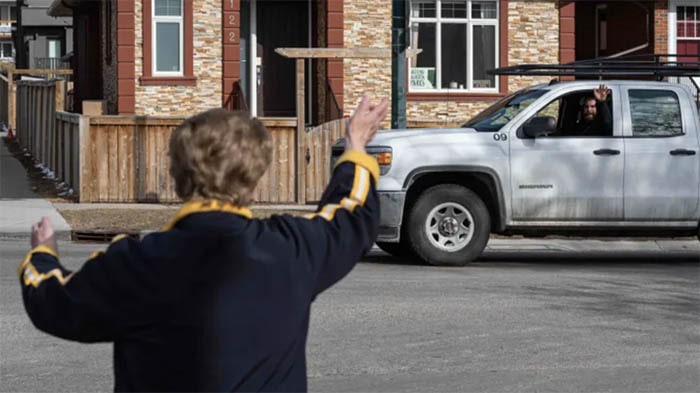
[(50, 63)]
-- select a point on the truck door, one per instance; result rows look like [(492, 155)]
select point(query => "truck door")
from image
[(566, 175), (662, 171)]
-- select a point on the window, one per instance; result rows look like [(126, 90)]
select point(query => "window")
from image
[(6, 50), (168, 43), (167, 37), (655, 113), (574, 115), (688, 22), (8, 13), (500, 113), (459, 42)]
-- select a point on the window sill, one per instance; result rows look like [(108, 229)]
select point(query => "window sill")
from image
[(168, 81), (457, 97)]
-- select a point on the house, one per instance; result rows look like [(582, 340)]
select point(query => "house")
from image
[(176, 57), (39, 40), (8, 16)]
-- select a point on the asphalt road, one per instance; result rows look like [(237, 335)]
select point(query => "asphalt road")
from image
[(511, 322)]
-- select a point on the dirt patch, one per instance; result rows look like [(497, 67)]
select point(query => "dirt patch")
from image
[(39, 179), (125, 220), (134, 220)]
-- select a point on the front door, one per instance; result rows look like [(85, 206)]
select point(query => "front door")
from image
[(662, 175), (279, 24), (565, 176)]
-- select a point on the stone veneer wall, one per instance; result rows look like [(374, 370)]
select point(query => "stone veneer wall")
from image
[(367, 24), (186, 100), (533, 37)]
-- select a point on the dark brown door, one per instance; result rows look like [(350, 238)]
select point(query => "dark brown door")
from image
[(88, 55), (279, 24)]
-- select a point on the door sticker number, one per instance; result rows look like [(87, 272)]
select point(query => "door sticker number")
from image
[(500, 137)]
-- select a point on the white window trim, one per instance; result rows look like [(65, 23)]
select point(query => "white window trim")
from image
[(438, 20), (672, 34), (154, 40)]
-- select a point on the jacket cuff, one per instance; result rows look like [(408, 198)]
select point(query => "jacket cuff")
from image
[(45, 248), (362, 159)]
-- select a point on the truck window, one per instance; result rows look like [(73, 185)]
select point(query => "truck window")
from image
[(500, 113), (573, 121), (655, 113)]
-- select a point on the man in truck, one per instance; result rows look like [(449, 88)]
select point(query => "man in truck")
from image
[(595, 118)]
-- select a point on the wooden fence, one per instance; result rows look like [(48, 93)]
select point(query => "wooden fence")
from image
[(124, 158), (318, 142), (8, 89), (7, 94)]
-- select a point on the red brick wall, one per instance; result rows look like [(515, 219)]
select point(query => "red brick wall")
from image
[(334, 39), (661, 26)]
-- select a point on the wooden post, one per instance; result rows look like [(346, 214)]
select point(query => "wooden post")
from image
[(84, 161), (301, 131), (60, 95)]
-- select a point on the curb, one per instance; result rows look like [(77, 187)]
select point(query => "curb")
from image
[(61, 235)]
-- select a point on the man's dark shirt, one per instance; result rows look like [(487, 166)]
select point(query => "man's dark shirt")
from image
[(601, 125)]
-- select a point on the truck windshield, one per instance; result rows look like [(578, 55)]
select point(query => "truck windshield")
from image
[(497, 115)]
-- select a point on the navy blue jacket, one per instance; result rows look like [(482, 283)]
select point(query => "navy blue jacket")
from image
[(218, 301)]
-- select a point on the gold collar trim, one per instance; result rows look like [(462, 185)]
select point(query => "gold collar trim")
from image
[(213, 205)]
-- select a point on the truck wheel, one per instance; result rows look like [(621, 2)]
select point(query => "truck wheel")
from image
[(449, 225)]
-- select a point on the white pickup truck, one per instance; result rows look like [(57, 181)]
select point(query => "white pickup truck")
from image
[(520, 167)]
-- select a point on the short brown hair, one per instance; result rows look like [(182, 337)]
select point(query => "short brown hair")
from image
[(219, 154)]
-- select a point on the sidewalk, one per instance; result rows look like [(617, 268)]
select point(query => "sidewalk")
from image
[(20, 207)]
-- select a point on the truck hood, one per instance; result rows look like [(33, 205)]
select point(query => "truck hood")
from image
[(390, 137)]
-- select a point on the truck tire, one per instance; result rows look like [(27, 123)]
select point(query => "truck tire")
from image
[(448, 225)]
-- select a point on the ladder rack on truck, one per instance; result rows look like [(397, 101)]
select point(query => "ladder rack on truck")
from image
[(656, 66)]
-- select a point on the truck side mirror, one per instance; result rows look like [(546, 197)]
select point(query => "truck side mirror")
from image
[(539, 126)]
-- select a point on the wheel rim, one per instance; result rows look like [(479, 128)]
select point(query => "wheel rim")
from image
[(449, 226)]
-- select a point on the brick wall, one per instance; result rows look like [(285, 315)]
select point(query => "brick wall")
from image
[(661, 26), (186, 100)]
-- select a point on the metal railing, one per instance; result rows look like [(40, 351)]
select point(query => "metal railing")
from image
[(236, 100), (333, 110), (50, 63)]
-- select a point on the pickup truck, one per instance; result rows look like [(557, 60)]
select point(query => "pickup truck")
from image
[(520, 167)]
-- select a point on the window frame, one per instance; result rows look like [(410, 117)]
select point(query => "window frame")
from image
[(438, 21), (180, 20), (186, 77), (629, 119), (686, 22)]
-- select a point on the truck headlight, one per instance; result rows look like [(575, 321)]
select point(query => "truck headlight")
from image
[(382, 154)]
